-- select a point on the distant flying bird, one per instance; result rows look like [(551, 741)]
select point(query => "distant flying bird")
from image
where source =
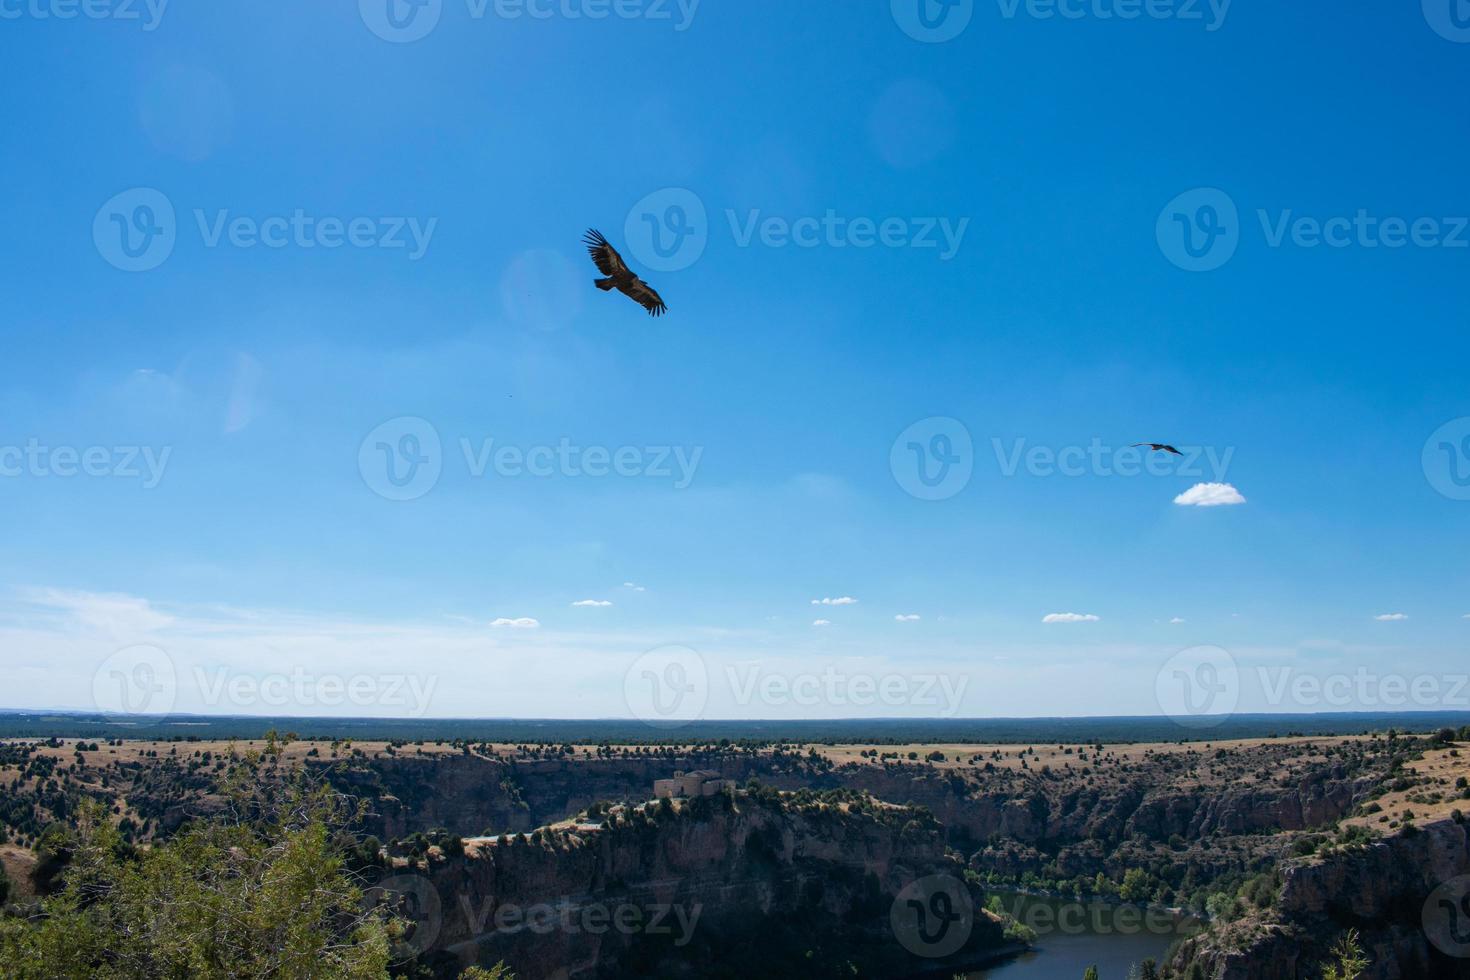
[(1158, 447), (619, 276)]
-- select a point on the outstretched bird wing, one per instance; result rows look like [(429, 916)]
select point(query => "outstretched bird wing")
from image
[(607, 259), (644, 295), (611, 264)]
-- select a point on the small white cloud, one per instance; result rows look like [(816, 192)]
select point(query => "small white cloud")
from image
[(1391, 617), (1069, 618), (846, 600), (909, 618), (634, 586), (1209, 495), (1175, 621), (593, 603), (521, 623), (821, 622)]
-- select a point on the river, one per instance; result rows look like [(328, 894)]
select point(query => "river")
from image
[(1071, 936)]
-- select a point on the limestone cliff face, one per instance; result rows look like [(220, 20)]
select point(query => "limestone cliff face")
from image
[(1380, 889), (1043, 810), (659, 891), (470, 795)]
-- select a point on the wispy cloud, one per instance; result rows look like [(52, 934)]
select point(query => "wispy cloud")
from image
[(1069, 618), (634, 586), (821, 622), (519, 623), (1391, 617), (112, 612), (1209, 495), (846, 600), (906, 618), (592, 603), (1176, 621)]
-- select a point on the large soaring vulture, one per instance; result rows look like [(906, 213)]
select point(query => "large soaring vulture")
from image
[(619, 276)]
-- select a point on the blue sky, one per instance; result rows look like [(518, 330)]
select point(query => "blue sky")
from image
[(1058, 152)]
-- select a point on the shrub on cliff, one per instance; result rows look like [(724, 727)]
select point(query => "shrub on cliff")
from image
[(260, 893)]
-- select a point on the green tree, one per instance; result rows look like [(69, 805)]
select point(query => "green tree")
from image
[(1090, 973), (1135, 887), (262, 892), (496, 972), (1351, 961)]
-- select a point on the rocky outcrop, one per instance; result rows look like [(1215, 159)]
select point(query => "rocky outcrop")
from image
[(1382, 889), (659, 892)]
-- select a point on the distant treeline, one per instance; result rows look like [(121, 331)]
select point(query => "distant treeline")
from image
[(886, 731)]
